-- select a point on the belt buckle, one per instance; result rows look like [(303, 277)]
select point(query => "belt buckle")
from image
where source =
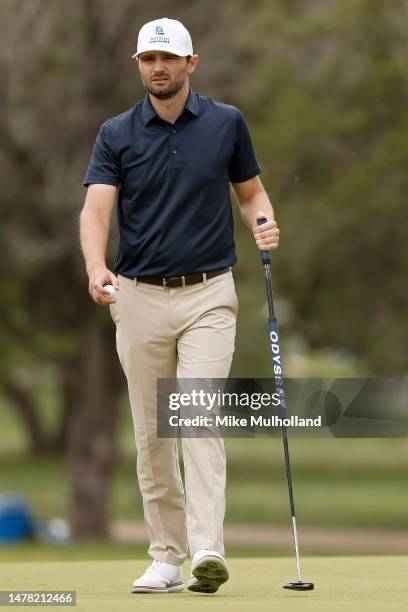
[(183, 281)]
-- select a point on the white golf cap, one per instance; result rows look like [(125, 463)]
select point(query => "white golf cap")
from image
[(164, 35)]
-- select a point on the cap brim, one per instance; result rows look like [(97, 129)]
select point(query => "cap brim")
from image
[(167, 50)]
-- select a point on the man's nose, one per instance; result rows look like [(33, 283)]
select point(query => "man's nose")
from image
[(157, 65)]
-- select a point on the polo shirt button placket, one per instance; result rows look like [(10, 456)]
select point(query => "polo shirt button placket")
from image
[(174, 147)]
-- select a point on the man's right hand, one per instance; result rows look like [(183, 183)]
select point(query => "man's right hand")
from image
[(97, 279)]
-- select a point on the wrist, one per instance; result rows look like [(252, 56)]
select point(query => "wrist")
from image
[(94, 269)]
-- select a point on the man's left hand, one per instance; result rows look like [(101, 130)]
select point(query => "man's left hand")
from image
[(267, 234)]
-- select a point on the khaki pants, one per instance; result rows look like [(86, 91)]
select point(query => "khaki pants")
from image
[(188, 332)]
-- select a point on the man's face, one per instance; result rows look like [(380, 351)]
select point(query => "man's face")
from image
[(164, 74)]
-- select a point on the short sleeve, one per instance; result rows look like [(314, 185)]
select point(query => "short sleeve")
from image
[(243, 165), (104, 165)]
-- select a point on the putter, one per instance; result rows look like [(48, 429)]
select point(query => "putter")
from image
[(277, 369)]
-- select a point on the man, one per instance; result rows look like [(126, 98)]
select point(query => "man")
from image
[(172, 158)]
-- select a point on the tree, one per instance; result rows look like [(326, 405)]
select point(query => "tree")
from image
[(330, 127)]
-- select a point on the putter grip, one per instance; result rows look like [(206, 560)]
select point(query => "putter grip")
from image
[(264, 254)]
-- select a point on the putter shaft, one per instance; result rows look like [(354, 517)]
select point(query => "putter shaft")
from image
[(278, 373)]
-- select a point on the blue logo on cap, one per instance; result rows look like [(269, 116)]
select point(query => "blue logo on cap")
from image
[(159, 31)]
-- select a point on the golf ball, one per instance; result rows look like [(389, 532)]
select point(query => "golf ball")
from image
[(110, 290)]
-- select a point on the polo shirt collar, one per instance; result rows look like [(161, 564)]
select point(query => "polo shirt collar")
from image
[(191, 105)]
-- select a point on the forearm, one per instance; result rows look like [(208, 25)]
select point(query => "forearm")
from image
[(94, 232), (258, 202)]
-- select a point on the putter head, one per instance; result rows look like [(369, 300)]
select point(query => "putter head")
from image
[(299, 586)]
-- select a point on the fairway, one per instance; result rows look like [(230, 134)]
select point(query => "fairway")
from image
[(341, 583)]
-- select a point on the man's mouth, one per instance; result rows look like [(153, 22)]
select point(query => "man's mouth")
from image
[(163, 80)]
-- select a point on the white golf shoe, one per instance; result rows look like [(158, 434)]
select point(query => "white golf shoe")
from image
[(208, 571), (160, 577)]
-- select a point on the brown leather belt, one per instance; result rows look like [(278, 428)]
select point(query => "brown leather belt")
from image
[(170, 282)]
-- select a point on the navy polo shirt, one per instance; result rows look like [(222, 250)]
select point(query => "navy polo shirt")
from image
[(174, 206)]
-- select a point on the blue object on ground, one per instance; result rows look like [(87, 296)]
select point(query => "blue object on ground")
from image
[(16, 521)]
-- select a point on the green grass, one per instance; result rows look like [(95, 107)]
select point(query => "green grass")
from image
[(89, 549), (339, 504), (359, 483), (366, 584), (97, 550)]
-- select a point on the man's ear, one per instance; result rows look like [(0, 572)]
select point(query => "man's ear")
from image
[(192, 63)]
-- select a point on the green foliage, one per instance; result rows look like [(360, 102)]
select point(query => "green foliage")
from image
[(328, 99)]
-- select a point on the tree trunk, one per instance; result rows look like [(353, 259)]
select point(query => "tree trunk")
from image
[(59, 442), (92, 451), (27, 409)]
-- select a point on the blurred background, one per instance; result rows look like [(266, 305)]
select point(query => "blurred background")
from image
[(324, 87)]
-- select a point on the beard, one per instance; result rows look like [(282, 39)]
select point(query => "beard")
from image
[(167, 91)]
